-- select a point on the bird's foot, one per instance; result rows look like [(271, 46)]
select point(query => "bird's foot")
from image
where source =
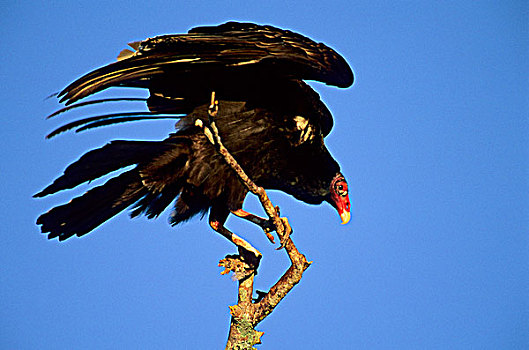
[(269, 226), (284, 231), (242, 265)]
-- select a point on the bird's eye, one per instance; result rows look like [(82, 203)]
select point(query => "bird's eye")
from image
[(341, 189)]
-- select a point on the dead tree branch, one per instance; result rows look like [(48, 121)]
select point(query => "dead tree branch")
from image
[(248, 313)]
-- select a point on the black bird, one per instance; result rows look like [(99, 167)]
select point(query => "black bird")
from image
[(269, 119)]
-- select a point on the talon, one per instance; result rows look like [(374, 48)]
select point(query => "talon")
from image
[(269, 236), (268, 227), (282, 245)]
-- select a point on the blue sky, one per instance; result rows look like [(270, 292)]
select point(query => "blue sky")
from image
[(433, 138)]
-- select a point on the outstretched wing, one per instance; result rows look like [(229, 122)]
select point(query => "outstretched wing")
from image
[(230, 47)]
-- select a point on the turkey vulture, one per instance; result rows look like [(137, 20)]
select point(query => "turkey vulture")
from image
[(269, 118)]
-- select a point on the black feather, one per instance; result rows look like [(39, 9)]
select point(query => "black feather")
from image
[(120, 120), (83, 214), (269, 118), (87, 103), (234, 47), (112, 118)]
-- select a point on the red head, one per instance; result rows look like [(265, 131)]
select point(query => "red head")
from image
[(339, 197)]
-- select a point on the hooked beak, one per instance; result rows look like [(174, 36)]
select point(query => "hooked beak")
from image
[(346, 216), (342, 206)]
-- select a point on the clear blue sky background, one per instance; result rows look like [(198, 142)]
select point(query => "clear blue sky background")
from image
[(433, 138)]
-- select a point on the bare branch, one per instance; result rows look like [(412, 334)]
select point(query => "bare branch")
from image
[(247, 314)]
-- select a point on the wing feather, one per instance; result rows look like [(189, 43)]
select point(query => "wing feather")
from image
[(92, 102), (108, 119), (233, 45)]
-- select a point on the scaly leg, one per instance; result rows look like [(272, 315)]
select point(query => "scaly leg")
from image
[(217, 218), (265, 224)]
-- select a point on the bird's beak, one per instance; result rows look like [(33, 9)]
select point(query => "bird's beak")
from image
[(346, 216), (342, 206)]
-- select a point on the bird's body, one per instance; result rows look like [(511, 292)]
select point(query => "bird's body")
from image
[(268, 118)]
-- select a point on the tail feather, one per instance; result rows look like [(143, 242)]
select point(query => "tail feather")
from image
[(188, 206), (83, 214), (161, 175), (99, 162), (153, 204), (165, 177)]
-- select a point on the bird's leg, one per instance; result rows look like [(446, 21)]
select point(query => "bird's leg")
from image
[(280, 225), (232, 237), (217, 218), (265, 224), (244, 264)]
